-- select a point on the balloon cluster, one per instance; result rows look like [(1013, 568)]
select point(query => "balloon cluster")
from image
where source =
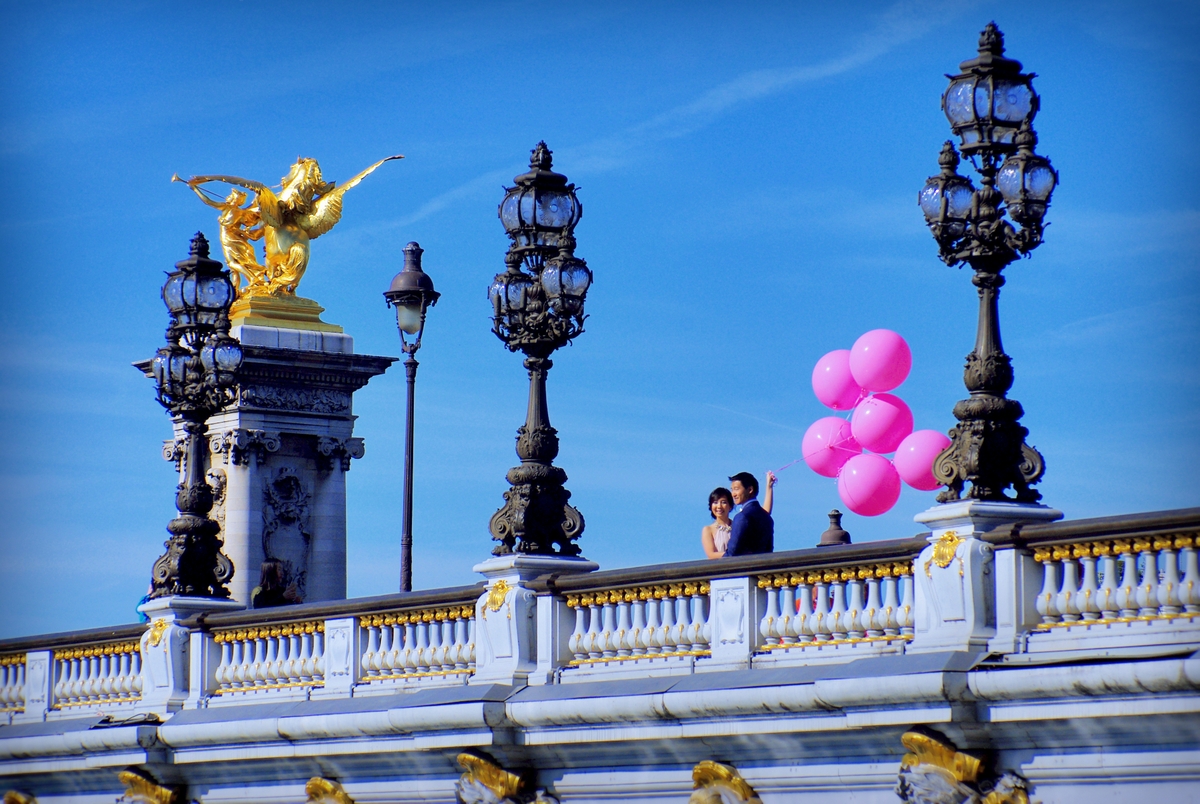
[(853, 451)]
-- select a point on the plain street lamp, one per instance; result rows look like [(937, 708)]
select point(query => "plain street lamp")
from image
[(990, 105), (412, 294), (195, 375), (537, 306)]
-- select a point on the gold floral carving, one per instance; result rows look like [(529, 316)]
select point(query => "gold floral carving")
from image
[(326, 791), (487, 773), (13, 797), (709, 778), (144, 790), (926, 750), (157, 628), (497, 594), (944, 549)]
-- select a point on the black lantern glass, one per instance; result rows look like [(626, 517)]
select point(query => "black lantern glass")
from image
[(541, 206), (991, 99)]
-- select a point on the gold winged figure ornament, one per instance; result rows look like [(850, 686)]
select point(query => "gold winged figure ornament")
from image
[(305, 208)]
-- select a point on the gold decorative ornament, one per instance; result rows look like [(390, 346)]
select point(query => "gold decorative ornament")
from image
[(326, 791), (11, 659), (927, 750), (14, 797), (143, 789), (305, 208), (945, 548), (497, 594), (157, 628), (710, 779), (483, 771)]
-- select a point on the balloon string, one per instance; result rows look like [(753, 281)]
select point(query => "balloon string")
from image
[(788, 465)]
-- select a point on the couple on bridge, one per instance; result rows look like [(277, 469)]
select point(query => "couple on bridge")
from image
[(741, 525)]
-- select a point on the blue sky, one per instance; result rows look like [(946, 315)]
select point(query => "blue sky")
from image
[(749, 180)]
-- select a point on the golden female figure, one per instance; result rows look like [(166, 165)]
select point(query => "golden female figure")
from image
[(305, 208), (239, 225)]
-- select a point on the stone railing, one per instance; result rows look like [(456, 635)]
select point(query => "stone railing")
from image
[(819, 609), (640, 623), (1016, 593), (270, 658), (98, 675), (410, 644), (1122, 582), (12, 684)]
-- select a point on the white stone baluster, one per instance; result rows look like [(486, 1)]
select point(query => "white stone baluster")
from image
[(1047, 600), (804, 609), (368, 657), (904, 615), (135, 670), (1128, 591), (887, 620), (410, 654), (318, 652), (1067, 602), (766, 626), (1110, 571), (576, 640), (623, 638), (852, 619), (1168, 588), (594, 641), (609, 627), (699, 632), (873, 607), (787, 612), (1189, 587), (680, 642), (271, 663), (837, 610), (423, 646), (1147, 594), (639, 638), (818, 624), (1088, 601), (654, 624), (462, 658), (471, 643)]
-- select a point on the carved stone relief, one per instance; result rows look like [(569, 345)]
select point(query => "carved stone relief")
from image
[(935, 772), (338, 451), (173, 450), (286, 534), (315, 400), (218, 482), (236, 445)]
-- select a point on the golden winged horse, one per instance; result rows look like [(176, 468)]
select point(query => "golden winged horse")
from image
[(305, 208)]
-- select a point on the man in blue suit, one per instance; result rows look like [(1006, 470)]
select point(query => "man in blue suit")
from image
[(753, 528)]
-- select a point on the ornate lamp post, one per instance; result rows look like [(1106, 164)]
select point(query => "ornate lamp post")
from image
[(412, 294), (991, 105), (195, 374), (537, 306)]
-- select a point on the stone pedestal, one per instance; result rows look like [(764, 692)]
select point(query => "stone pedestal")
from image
[(506, 632), (167, 665), (958, 600), (279, 458)]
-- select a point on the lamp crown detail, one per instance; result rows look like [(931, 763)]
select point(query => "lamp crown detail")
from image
[(199, 245)]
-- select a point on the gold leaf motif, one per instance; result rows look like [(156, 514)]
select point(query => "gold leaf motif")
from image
[(926, 750), (865, 572), (497, 594), (1163, 542), (945, 548), (883, 571), (144, 790), (1041, 554), (1100, 549), (1121, 546), (900, 568), (830, 575), (572, 601), (157, 628), (1060, 551), (813, 577), (675, 589), (690, 589), (1081, 550), (848, 574), (708, 774), (326, 791), (705, 587), (495, 778), (1185, 540), (1141, 545), (796, 578), (764, 581)]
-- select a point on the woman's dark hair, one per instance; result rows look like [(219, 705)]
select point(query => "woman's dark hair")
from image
[(718, 493)]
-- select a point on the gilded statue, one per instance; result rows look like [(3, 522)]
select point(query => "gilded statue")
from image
[(305, 208)]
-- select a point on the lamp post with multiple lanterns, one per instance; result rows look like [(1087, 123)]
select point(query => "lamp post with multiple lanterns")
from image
[(195, 375), (537, 307), (411, 294), (990, 105)]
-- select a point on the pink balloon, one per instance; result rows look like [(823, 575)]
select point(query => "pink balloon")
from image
[(880, 422), (868, 484), (828, 444), (915, 456), (880, 360), (833, 383)]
